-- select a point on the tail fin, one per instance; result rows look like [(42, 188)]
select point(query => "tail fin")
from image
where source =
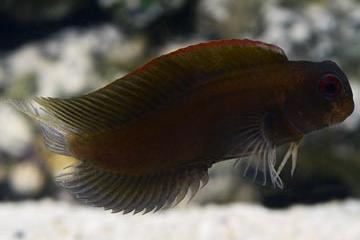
[(52, 132)]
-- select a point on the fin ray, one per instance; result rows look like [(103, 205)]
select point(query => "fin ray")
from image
[(254, 147), (127, 194), (157, 83)]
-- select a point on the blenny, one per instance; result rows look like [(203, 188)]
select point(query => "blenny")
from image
[(147, 139)]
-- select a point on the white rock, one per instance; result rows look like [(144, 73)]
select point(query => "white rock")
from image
[(277, 22), (216, 9), (15, 132), (321, 18), (26, 179), (66, 64)]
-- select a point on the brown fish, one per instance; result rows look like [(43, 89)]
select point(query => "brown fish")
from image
[(148, 138)]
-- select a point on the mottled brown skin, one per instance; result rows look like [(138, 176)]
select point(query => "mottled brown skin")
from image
[(200, 127)]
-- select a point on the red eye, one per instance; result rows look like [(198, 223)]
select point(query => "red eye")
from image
[(330, 86)]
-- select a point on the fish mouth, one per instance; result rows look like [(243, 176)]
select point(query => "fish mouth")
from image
[(335, 119), (340, 113)]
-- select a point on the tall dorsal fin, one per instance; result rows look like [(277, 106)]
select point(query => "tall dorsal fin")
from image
[(158, 82)]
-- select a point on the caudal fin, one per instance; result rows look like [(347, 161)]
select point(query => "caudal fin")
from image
[(52, 131)]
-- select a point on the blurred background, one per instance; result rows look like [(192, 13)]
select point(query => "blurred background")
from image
[(64, 48)]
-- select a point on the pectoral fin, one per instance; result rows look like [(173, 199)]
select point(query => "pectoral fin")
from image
[(255, 152)]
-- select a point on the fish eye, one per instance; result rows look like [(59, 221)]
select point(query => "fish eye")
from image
[(330, 86)]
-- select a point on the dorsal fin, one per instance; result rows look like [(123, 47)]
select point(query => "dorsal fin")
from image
[(158, 82)]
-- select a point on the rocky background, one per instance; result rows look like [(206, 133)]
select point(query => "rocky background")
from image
[(65, 48)]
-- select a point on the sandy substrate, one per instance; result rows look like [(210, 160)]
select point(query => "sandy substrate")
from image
[(59, 220)]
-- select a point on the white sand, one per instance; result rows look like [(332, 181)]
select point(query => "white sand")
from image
[(60, 220)]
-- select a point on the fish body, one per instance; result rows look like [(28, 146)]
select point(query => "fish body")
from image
[(148, 138), (195, 127)]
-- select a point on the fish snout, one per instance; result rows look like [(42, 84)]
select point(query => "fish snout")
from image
[(341, 111)]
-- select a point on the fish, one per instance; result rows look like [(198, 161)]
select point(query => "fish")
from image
[(146, 140)]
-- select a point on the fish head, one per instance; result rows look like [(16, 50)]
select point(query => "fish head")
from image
[(334, 93), (321, 97)]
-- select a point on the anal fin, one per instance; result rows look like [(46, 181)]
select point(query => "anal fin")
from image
[(126, 194)]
